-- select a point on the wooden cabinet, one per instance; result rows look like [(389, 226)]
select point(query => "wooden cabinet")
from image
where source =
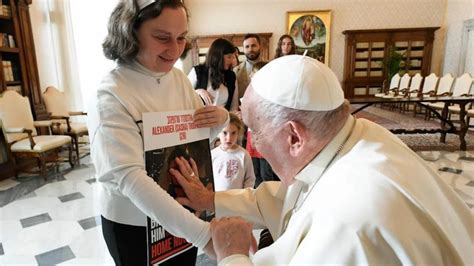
[(367, 49), (18, 69)]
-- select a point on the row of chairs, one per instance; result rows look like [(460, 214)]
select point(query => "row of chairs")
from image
[(407, 86), (21, 131)]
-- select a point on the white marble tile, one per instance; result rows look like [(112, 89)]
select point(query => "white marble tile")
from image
[(9, 229), (82, 248), (75, 210), (17, 260), (28, 207), (83, 173), (430, 155), (42, 238), (64, 187)]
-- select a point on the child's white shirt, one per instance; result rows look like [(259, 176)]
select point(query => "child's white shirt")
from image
[(232, 169)]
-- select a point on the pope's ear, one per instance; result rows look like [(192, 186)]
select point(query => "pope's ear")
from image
[(296, 137)]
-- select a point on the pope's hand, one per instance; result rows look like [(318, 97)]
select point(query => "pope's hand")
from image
[(231, 235)]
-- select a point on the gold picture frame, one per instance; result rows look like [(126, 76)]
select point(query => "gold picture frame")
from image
[(311, 31)]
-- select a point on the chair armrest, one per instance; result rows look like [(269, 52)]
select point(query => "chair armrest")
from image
[(9, 130), (59, 117), (77, 113), (22, 130), (63, 118), (42, 123)]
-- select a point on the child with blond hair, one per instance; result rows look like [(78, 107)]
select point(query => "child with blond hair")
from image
[(232, 164)]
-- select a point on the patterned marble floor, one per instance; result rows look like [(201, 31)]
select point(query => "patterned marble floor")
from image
[(56, 222)]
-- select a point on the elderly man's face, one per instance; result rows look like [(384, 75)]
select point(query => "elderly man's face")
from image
[(269, 142)]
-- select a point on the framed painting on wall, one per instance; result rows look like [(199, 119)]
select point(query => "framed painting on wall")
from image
[(311, 31)]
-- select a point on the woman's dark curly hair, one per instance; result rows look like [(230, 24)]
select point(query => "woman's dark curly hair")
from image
[(278, 52)]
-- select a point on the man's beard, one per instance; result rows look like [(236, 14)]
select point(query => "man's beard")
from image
[(252, 56)]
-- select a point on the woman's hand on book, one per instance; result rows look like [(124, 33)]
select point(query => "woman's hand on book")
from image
[(198, 196), (210, 116)]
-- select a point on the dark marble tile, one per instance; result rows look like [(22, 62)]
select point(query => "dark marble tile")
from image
[(34, 220), (1, 250), (204, 260), (72, 196), (450, 170), (470, 183), (55, 256), (466, 158), (91, 181), (91, 222)]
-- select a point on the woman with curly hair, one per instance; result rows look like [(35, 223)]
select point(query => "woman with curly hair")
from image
[(286, 45)]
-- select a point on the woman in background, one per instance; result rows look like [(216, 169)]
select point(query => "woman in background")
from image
[(286, 45), (214, 80), (145, 38), (235, 60)]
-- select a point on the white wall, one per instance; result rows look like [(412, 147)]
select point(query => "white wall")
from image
[(458, 12), (242, 16)]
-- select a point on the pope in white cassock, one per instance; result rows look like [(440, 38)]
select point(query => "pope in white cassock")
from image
[(350, 192)]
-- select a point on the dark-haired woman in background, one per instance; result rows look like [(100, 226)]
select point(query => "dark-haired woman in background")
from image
[(214, 80), (286, 45)]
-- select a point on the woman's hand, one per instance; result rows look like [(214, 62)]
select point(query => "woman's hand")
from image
[(205, 96), (198, 196), (210, 116)]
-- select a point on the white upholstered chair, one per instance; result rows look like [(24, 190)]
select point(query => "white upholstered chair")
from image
[(415, 85), (428, 89), (444, 89), (462, 87), (21, 134), (394, 83), (469, 115), (429, 86), (404, 84), (56, 105), (412, 91)]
